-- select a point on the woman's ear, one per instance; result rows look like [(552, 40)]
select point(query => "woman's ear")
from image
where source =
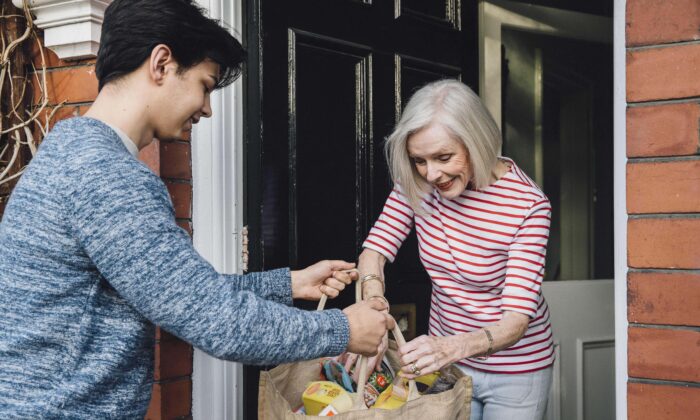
[(160, 63)]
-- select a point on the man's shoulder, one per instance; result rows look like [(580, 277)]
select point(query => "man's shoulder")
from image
[(91, 155), (83, 134)]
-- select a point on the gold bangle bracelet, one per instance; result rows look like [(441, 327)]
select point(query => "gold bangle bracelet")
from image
[(370, 277), (486, 354), (380, 297), (490, 338)]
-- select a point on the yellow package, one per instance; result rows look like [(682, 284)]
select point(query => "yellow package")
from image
[(423, 383), (394, 396), (320, 394)]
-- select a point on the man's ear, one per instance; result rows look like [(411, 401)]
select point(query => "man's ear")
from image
[(160, 63)]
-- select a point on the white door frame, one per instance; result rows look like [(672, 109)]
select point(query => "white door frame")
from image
[(217, 218), (620, 206)]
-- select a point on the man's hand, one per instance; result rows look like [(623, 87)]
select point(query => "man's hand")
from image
[(323, 278), (368, 326), (349, 360)]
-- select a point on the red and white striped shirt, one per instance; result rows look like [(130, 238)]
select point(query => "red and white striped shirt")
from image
[(484, 252)]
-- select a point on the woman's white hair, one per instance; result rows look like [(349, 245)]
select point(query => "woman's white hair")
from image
[(457, 109)]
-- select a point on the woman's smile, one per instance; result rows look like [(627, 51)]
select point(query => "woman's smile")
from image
[(445, 186), (440, 160)]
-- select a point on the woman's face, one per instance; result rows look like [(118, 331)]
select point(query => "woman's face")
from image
[(441, 160)]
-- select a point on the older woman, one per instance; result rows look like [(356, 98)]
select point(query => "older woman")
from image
[(482, 228)]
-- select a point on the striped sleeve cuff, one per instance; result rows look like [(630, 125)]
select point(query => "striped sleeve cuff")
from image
[(392, 227)]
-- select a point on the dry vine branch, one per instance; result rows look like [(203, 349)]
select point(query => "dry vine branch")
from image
[(21, 125)]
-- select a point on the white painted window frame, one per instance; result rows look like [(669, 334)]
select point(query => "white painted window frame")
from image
[(217, 217)]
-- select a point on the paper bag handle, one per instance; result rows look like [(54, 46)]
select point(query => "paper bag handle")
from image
[(362, 380)]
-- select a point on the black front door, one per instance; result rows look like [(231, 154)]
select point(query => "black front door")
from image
[(326, 80)]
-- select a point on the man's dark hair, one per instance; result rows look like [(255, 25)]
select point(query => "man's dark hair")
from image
[(132, 28)]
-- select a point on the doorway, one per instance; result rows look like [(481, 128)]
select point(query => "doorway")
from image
[(557, 124), (325, 84), (547, 76)]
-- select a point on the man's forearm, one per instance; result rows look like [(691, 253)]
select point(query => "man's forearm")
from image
[(273, 285)]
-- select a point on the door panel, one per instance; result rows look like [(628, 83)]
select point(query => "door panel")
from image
[(582, 316), (442, 11), (329, 145), (325, 83)]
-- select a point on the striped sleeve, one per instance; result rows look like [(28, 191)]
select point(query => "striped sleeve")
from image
[(525, 267), (392, 227)]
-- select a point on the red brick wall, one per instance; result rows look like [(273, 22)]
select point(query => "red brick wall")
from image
[(75, 82), (663, 203)]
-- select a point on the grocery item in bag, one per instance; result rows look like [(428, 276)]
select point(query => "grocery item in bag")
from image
[(320, 394)]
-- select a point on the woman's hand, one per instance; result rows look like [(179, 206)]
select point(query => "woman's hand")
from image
[(326, 277), (427, 354)]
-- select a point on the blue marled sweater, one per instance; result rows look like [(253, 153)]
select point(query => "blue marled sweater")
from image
[(91, 258)]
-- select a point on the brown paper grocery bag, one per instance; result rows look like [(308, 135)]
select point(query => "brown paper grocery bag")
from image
[(281, 388)]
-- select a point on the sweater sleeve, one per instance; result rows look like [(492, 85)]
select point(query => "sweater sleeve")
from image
[(124, 220), (525, 267), (392, 226), (274, 285)]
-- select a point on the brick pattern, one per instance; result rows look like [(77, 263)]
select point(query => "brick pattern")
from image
[(75, 83), (663, 353), (663, 73), (663, 242), (651, 22), (669, 298), (663, 201), (662, 402), (663, 130), (663, 187)]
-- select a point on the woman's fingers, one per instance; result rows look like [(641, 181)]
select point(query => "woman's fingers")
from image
[(414, 349), (350, 361), (380, 352), (422, 366), (412, 345)]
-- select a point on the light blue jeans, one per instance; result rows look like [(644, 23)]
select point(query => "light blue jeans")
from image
[(501, 396)]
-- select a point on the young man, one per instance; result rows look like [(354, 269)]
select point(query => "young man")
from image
[(91, 257)]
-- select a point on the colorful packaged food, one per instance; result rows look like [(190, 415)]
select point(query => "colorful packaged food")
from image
[(335, 372), (328, 411), (425, 382), (376, 384), (320, 394), (392, 398)]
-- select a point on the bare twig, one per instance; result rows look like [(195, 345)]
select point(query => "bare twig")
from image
[(21, 128)]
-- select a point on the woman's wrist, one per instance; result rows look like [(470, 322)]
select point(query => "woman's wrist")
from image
[(370, 263), (469, 344), (372, 258)]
